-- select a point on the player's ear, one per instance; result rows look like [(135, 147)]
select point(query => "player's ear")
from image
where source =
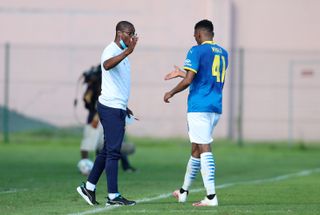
[(197, 35)]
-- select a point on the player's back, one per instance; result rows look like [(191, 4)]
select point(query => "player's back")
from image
[(206, 88)]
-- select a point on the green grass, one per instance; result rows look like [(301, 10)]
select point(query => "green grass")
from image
[(38, 175)]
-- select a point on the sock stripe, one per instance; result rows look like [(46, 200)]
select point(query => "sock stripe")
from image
[(208, 171), (193, 167)]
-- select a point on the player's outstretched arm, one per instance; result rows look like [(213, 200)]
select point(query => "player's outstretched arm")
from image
[(182, 85), (177, 72)]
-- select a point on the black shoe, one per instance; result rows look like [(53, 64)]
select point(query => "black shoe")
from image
[(88, 195), (119, 201)]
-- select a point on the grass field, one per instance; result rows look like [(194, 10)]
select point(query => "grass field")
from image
[(39, 176)]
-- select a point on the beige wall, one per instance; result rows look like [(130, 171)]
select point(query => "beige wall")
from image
[(68, 37), (53, 42), (161, 23), (278, 24), (279, 38)]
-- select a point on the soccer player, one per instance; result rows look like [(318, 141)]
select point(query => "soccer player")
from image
[(204, 71), (112, 109)]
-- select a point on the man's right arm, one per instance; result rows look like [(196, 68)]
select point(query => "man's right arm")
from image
[(114, 61)]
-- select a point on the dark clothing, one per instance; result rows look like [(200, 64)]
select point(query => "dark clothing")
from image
[(113, 123), (90, 99)]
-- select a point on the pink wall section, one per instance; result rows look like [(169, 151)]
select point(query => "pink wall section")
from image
[(54, 41), (81, 22), (278, 24)]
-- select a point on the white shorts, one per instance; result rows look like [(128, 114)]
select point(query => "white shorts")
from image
[(201, 125), (92, 138)]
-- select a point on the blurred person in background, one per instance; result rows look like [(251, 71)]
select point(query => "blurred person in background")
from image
[(112, 109), (204, 71), (92, 129)]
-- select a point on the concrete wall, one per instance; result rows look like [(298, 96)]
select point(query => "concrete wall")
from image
[(281, 68), (278, 24), (53, 42)]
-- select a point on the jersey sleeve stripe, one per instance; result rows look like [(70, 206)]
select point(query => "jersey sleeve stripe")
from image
[(190, 69)]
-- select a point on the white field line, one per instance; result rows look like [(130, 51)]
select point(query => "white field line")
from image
[(163, 196), (13, 191)]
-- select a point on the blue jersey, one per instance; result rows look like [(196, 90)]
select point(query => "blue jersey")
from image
[(209, 61)]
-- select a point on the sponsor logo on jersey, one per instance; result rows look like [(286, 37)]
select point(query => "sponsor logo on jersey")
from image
[(187, 62)]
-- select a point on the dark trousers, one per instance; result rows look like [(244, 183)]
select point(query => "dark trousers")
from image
[(125, 162), (113, 123)]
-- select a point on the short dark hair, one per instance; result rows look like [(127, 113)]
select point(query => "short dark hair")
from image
[(122, 25), (204, 24)]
